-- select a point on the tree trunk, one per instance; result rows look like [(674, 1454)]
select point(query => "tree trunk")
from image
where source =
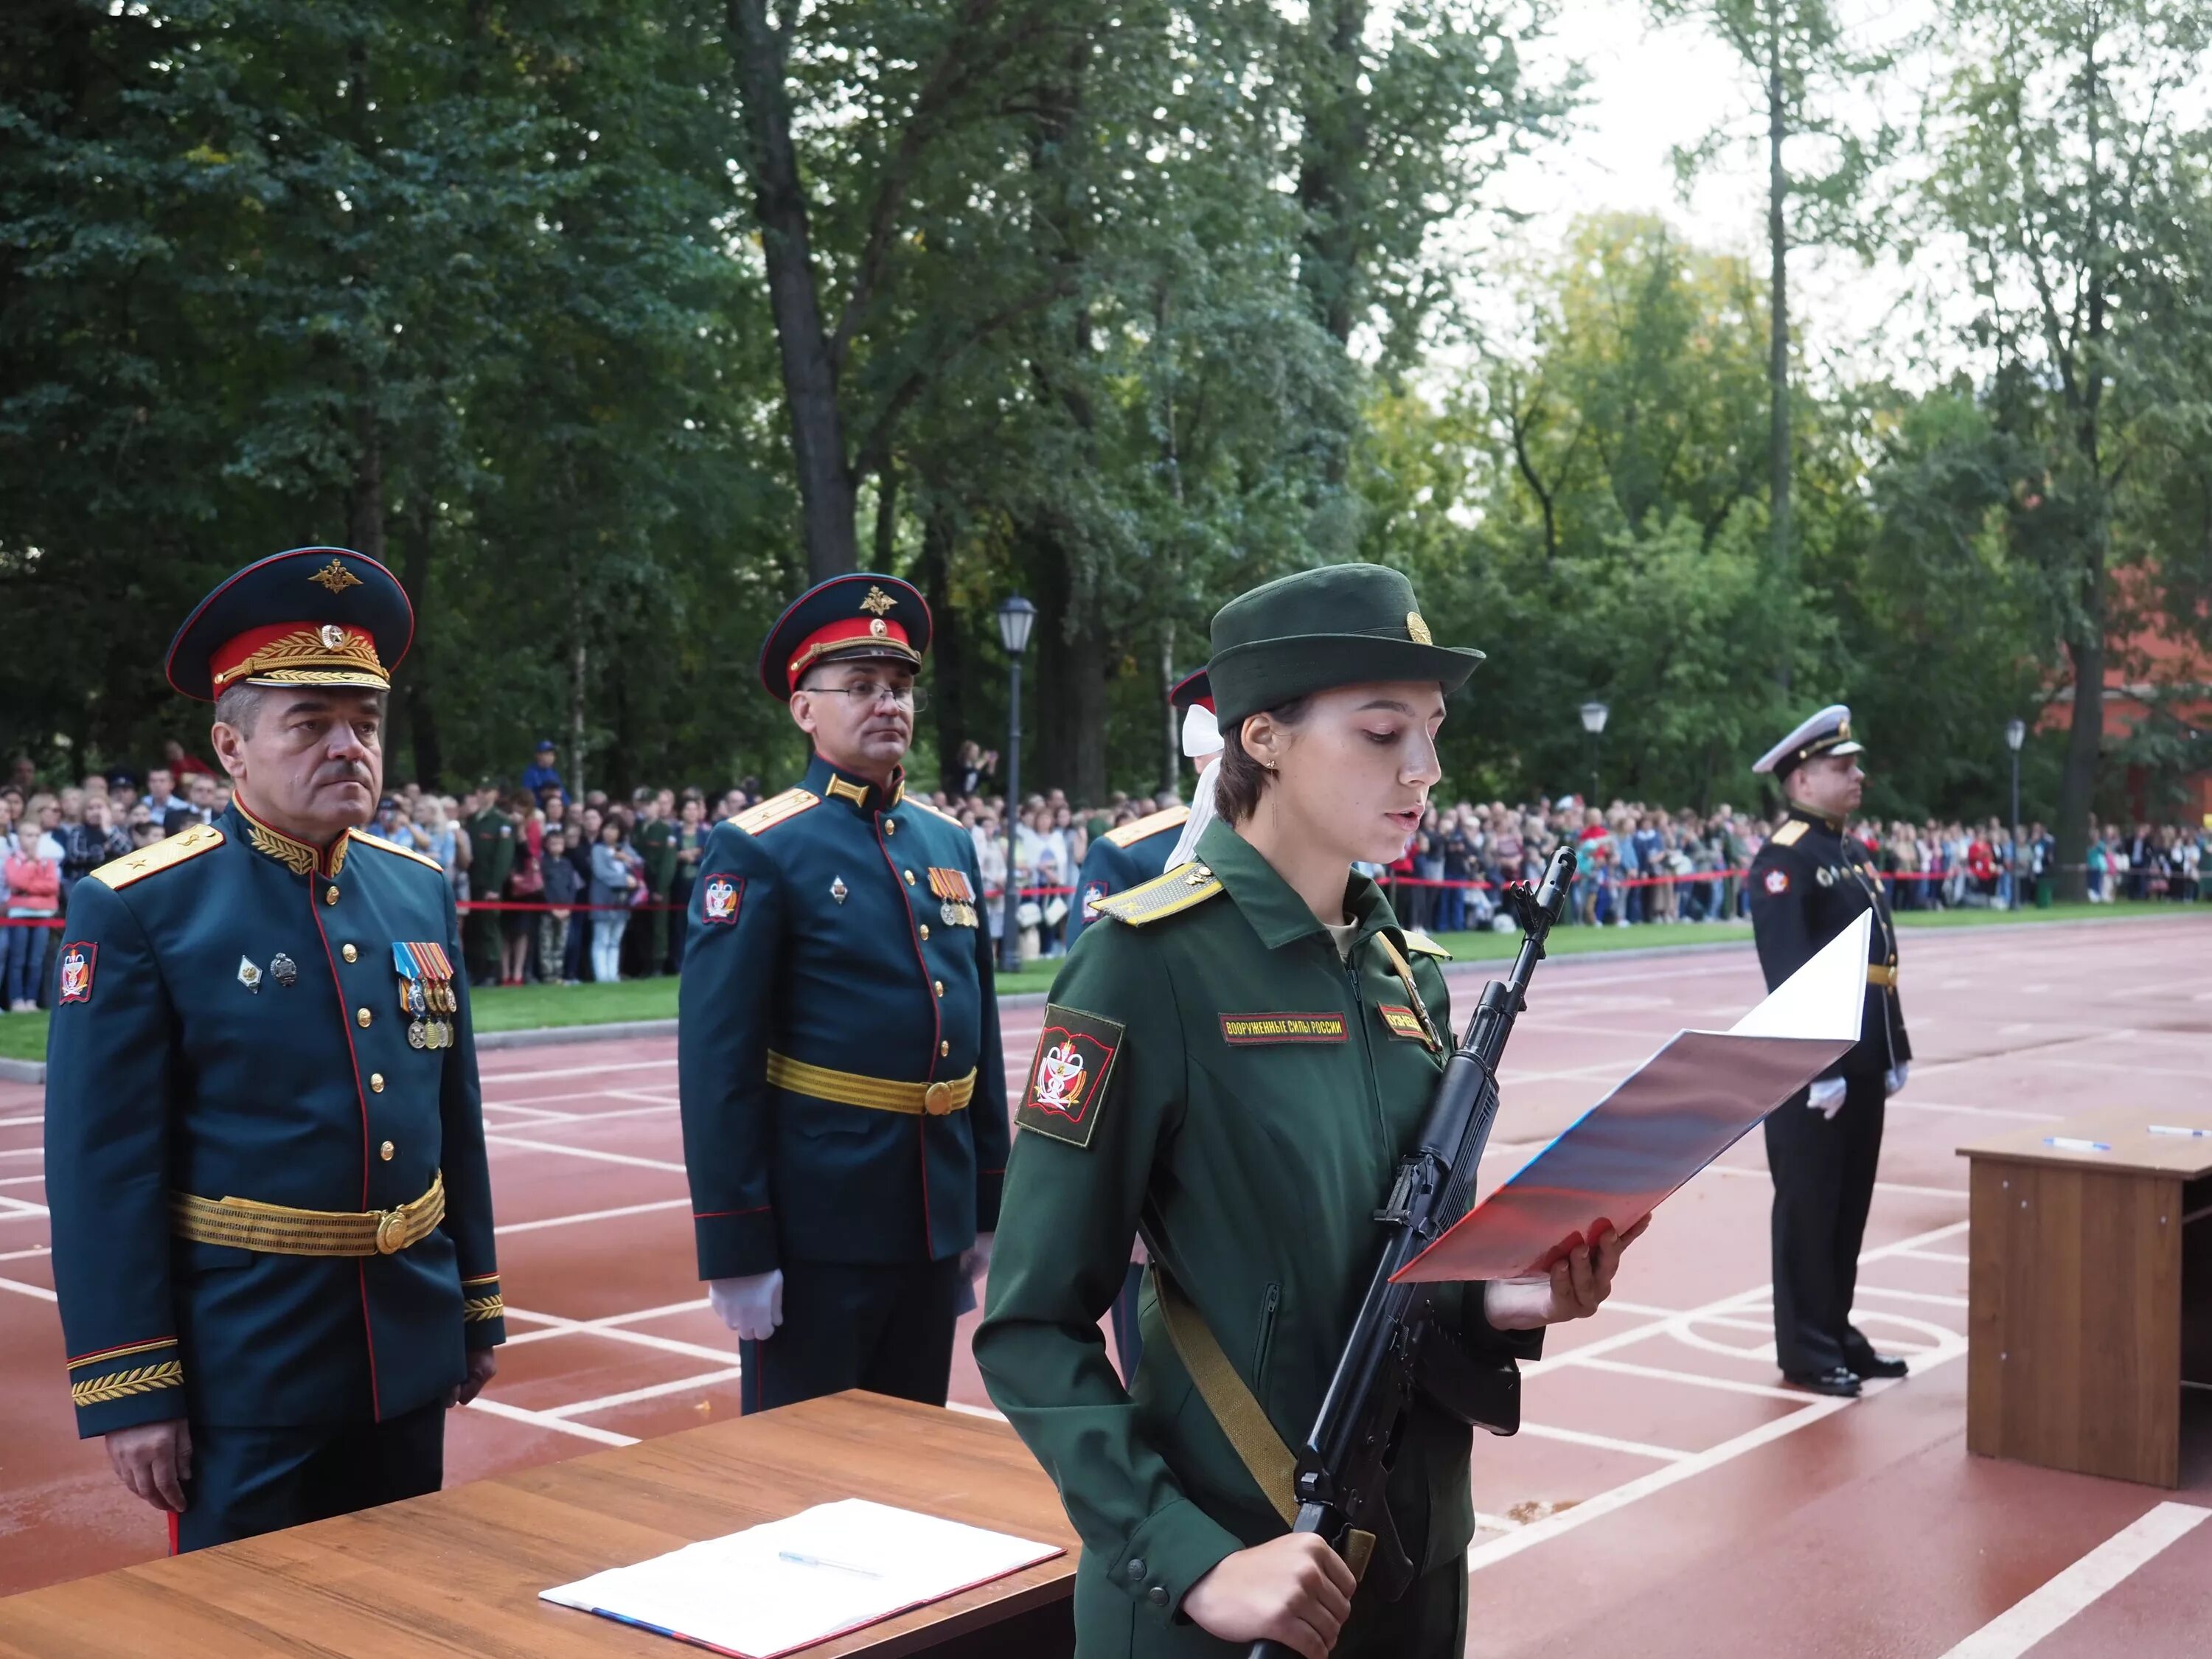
[(579, 661), (416, 713), (1171, 750), (1777, 352), (948, 647), (2077, 784), (365, 500), (1070, 650), (1335, 143), (810, 377)]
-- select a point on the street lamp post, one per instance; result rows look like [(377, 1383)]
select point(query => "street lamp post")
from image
[(1016, 616), (2015, 735), (1594, 717)]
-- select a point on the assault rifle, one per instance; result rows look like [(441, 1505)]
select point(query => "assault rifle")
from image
[(1396, 1351)]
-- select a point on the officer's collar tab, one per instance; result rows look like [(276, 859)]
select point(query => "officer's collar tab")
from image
[(836, 784), (302, 857)]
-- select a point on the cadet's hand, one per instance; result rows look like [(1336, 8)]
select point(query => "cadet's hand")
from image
[(976, 1260), (1577, 1288), (484, 1365), (751, 1306), (1826, 1096), (1895, 1078), (154, 1459), (1293, 1590)]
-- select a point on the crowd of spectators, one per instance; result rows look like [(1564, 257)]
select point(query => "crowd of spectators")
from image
[(594, 889)]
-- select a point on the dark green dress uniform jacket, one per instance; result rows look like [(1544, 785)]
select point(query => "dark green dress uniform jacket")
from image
[(167, 1073), (1249, 1118), (1809, 883), (821, 932), (1125, 858)]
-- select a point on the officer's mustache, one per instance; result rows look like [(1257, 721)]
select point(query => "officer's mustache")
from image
[(344, 772)]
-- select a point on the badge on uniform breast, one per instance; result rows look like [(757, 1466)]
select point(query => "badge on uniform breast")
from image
[(426, 991), (1777, 881), (956, 896), (77, 970), (721, 898), (1826, 875), (1068, 1074), (249, 975), (284, 971), (1092, 892)]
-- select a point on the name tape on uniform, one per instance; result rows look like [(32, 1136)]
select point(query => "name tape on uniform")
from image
[(1245, 1030)]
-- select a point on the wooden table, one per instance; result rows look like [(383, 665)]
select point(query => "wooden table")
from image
[(458, 1572), (2090, 1286)]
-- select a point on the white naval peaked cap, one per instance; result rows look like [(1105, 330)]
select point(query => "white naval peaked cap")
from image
[(1201, 732), (1828, 732)]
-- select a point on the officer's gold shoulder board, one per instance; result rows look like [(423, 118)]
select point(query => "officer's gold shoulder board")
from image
[(776, 809), (933, 811), (1152, 824), (1185, 885), (119, 873), (1422, 945), (1067, 1086), (1789, 834), (383, 845)]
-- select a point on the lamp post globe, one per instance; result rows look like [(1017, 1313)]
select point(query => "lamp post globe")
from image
[(1594, 715), (1017, 616)]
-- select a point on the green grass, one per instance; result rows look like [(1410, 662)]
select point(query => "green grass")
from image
[(531, 1007)]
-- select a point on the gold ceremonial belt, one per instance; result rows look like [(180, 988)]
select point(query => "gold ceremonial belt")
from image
[(877, 1094), (1877, 974), (280, 1229)]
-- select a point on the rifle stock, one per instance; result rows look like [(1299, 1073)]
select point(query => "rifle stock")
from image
[(1397, 1350)]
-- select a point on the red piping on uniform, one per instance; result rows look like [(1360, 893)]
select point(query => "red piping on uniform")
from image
[(102, 1353), (345, 1024), (936, 1029), (173, 1519)]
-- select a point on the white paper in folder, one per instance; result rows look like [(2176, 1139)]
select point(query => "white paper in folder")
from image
[(786, 1585)]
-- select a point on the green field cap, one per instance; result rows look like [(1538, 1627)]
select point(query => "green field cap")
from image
[(1342, 625)]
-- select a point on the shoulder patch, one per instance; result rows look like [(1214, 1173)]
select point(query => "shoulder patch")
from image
[(1182, 887), (1067, 1086), (766, 814), (933, 811), (382, 845), (1145, 828), (1789, 834), (1422, 945), (119, 873)]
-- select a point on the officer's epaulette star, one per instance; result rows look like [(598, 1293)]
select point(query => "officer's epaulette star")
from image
[(1144, 829), (394, 846), (1185, 885), (766, 815), (1789, 834), (119, 873)]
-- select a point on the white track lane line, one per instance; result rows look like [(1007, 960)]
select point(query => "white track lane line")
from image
[(22, 1289), (577, 1070), (2040, 1613), (1971, 1112), (584, 1152), (25, 1151), (608, 1402), (1606, 1443), (16, 1209), (35, 1249), (590, 1215), (1925, 1297), (539, 1419), (1900, 1187), (20, 1122), (552, 1325), (1724, 1384), (1950, 1256)]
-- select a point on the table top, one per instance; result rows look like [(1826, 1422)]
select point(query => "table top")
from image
[(459, 1572), (2126, 1129)]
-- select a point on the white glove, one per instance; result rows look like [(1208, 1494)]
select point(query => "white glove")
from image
[(1827, 1097), (751, 1306), (976, 1260), (1893, 1078)]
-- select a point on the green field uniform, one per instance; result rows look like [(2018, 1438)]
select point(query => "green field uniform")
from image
[(491, 861), (1214, 1073), (656, 845)]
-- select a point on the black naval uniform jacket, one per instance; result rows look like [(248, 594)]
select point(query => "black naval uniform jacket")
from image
[(173, 1068), (1809, 883), (836, 943)]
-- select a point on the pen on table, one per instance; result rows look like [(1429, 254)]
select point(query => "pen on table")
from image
[(2170, 1129), (2068, 1144), (794, 1556)]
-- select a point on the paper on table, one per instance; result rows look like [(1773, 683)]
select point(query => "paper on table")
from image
[(1678, 1112), (743, 1594)]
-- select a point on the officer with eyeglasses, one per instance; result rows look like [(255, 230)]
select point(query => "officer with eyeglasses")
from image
[(844, 1096)]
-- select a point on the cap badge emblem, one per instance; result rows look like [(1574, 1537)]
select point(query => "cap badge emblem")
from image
[(335, 577), (1844, 728), (876, 627), (334, 636), (1417, 629), (877, 602)]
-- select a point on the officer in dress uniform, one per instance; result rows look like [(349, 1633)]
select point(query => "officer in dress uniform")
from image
[(1809, 883), (844, 1096), (272, 1226), (1138, 851)]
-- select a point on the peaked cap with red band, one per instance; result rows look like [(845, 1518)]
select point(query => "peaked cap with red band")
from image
[(1194, 689), (314, 616), (843, 620)]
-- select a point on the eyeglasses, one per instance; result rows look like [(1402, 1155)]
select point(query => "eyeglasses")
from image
[(867, 693)]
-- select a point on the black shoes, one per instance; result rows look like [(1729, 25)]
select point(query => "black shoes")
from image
[(1880, 1365), (1841, 1381)]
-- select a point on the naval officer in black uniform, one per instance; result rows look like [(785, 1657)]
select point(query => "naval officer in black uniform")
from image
[(1809, 883)]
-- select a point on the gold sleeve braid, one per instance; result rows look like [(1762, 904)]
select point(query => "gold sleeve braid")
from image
[(121, 1385)]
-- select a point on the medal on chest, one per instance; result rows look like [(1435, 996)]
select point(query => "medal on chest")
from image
[(426, 992)]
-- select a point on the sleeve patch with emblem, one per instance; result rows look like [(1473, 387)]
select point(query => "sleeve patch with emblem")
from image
[(1777, 881), (1067, 1086), (77, 970), (722, 896)]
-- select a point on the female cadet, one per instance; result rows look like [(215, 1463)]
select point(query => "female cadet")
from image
[(1234, 1065)]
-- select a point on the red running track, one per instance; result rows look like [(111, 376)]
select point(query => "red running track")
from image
[(1664, 1495)]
